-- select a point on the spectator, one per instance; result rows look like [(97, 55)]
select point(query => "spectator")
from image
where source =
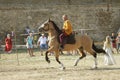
[(113, 39), (35, 39), (0, 42), (27, 30), (109, 59), (8, 44), (12, 34), (29, 44), (42, 42), (118, 42)]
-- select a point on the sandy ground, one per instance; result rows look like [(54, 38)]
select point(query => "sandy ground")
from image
[(36, 68)]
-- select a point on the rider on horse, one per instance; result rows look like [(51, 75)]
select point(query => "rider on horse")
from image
[(66, 31)]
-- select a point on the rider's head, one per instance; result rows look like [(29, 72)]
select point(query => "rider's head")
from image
[(64, 17)]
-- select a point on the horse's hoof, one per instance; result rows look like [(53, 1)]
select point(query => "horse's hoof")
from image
[(48, 61), (75, 65), (63, 68), (95, 67)]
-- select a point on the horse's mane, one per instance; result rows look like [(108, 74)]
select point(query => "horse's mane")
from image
[(56, 27)]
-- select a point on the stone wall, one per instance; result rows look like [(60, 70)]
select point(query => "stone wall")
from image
[(17, 14)]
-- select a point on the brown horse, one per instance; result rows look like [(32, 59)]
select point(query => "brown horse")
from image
[(83, 43)]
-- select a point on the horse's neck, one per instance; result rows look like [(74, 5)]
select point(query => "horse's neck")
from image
[(52, 34)]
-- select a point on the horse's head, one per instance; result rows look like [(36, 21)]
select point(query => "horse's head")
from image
[(49, 26), (45, 27)]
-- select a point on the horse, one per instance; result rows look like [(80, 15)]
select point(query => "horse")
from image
[(83, 43)]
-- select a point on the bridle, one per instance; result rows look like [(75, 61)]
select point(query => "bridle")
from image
[(47, 27)]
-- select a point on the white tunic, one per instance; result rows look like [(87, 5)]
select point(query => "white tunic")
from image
[(109, 59)]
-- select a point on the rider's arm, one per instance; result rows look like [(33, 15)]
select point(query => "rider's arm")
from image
[(66, 25)]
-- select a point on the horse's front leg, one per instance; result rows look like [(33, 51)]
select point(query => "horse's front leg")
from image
[(46, 54), (57, 59)]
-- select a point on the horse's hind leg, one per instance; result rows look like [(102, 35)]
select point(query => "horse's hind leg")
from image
[(81, 50), (95, 59), (57, 59)]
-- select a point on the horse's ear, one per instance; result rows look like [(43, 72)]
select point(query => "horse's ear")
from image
[(49, 19)]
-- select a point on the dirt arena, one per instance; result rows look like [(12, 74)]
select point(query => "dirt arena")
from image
[(36, 68)]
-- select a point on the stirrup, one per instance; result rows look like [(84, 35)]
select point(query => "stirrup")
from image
[(61, 47)]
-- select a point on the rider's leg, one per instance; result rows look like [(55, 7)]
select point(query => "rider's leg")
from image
[(62, 36)]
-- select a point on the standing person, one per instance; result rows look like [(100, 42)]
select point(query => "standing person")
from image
[(35, 39), (29, 44), (109, 59), (0, 42), (66, 31), (113, 39), (118, 42), (27, 30), (12, 34), (43, 42), (8, 44)]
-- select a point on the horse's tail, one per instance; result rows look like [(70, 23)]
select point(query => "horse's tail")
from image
[(97, 49)]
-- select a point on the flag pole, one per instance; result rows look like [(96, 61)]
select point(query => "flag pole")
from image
[(15, 37), (16, 50)]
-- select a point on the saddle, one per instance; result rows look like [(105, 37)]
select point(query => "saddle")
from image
[(69, 39)]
